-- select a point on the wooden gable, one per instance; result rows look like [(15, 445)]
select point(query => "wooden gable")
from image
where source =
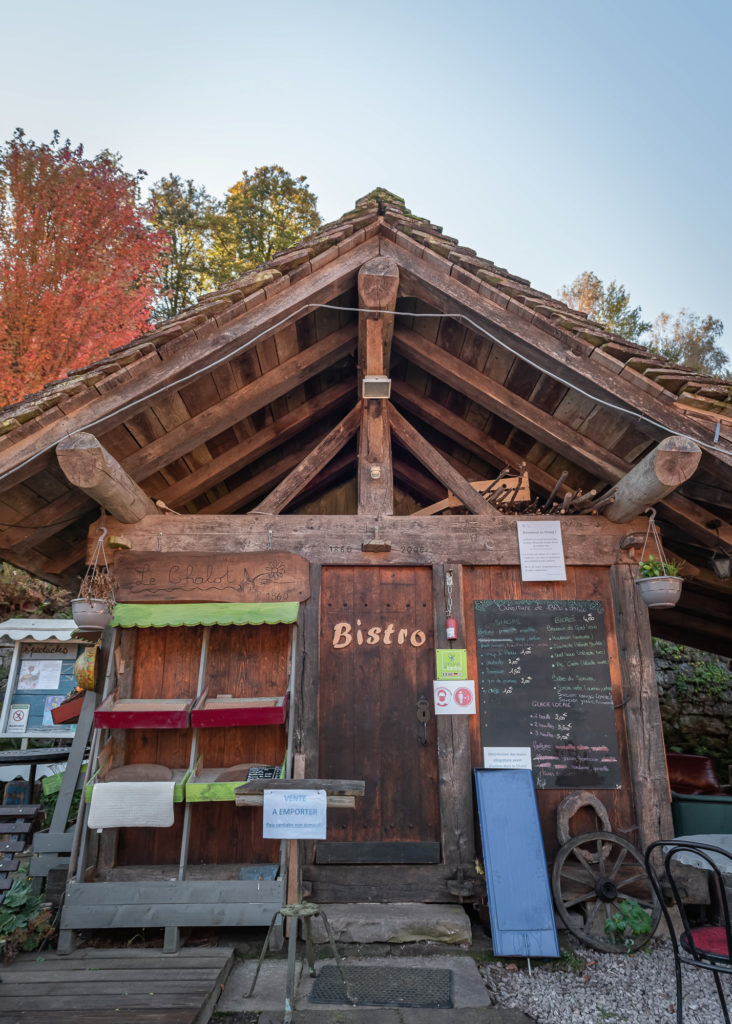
[(250, 403)]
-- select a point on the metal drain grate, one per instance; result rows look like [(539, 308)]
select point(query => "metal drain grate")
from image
[(385, 986)]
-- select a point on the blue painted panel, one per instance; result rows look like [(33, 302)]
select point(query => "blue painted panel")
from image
[(519, 896)]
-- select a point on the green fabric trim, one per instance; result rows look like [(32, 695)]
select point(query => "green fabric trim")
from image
[(143, 616)]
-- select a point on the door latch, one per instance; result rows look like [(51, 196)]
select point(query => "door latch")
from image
[(423, 716)]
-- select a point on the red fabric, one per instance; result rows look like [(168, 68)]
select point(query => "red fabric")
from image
[(709, 939), (692, 774)]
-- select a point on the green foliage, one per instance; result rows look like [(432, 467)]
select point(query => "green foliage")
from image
[(628, 923), (263, 213), (608, 305), (691, 340), (653, 566), (187, 214), (24, 920)]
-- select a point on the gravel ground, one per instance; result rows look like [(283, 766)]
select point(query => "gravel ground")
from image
[(588, 987)]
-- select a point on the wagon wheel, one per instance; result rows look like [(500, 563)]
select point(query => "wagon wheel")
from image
[(593, 874)]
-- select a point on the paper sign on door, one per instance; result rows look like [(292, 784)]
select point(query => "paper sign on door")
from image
[(454, 696)]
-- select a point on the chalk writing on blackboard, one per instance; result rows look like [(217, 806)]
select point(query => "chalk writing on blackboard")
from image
[(544, 682)]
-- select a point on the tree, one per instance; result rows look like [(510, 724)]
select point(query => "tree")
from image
[(263, 213), (608, 306), (78, 259), (187, 214), (690, 339)]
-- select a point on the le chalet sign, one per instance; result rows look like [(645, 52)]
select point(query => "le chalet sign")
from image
[(166, 577)]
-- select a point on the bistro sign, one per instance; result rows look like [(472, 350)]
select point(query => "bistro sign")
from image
[(388, 635)]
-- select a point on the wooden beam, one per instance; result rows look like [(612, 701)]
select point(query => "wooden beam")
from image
[(36, 527), (251, 489), (249, 450), (570, 444), (378, 286), (375, 469), (311, 465), (642, 714), (489, 394), (438, 465), (440, 418), (88, 465), (567, 356), (151, 373), (242, 403), (670, 463), (416, 482)]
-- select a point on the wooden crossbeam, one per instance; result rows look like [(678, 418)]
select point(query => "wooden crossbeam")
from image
[(87, 464), (670, 463), (438, 465), (238, 456), (311, 465)]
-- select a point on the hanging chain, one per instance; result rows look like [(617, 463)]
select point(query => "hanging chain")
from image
[(448, 594), (652, 532)]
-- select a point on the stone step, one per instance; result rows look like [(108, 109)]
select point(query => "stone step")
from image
[(394, 922)]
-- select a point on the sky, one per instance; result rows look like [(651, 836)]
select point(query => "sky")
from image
[(552, 137)]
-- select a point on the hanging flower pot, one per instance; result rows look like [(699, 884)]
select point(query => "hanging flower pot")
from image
[(92, 609), (659, 583)]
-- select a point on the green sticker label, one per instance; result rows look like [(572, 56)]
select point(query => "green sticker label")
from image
[(452, 663)]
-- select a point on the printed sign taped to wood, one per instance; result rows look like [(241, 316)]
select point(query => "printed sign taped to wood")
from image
[(155, 577), (544, 682)]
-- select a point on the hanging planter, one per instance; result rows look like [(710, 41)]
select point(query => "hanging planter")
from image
[(92, 609), (659, 583)]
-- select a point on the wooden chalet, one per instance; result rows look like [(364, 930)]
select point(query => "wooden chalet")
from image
[(347, 437)]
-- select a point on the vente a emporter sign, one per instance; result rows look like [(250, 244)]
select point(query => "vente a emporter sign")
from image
[(294, 814)]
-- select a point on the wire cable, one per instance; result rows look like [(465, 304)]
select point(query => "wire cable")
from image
[(181, 381)]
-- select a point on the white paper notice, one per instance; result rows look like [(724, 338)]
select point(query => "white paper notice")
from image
[(541, 551), (39, 675), (455, 697), (507, 757), (294, 813)]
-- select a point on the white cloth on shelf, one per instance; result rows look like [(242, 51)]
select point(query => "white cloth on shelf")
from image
[(132, 805)]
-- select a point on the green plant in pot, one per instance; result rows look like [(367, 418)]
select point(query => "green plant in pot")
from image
[(659, 581)]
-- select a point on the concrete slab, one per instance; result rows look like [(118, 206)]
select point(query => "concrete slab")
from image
[(468, 987), (381, 1015), (395, 922)]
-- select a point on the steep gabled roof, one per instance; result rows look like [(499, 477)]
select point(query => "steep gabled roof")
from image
[(212, 409)]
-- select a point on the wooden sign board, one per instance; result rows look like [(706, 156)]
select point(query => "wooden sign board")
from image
[(156, 577)]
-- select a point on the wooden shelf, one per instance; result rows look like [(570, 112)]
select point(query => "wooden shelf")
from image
[(232, 711), (143, 714)]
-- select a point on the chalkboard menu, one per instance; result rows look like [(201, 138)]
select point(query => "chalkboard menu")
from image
[(544, 683)]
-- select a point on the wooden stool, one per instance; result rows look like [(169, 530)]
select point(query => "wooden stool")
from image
[(299, 912)]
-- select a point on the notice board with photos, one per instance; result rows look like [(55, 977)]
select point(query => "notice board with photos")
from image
[(544, 683), (42, 676)]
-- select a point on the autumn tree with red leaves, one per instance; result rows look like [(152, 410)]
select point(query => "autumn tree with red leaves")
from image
[(78, 261)]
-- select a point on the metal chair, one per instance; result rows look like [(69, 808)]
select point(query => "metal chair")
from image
[(704, 938)]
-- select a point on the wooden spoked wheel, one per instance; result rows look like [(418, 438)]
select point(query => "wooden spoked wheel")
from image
[(593, 875)]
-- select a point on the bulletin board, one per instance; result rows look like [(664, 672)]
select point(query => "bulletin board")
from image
[(41, 675)]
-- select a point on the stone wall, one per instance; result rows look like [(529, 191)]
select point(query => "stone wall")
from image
[(695, 691)]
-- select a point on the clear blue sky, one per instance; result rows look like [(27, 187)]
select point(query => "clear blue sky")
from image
[(552, 137)]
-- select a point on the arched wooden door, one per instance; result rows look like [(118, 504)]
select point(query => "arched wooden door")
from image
[(376, 662)]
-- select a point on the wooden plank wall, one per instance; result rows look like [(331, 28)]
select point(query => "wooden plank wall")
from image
[(584, 583)]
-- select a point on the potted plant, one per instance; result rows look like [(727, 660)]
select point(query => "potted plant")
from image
[(659, 581), (93, 607)]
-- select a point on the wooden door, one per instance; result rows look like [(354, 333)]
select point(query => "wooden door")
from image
[(376, 661)]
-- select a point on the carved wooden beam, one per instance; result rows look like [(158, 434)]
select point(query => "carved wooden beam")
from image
[(378, 285), (88, 465), (438, 465), (670, 464), (311, 465)]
